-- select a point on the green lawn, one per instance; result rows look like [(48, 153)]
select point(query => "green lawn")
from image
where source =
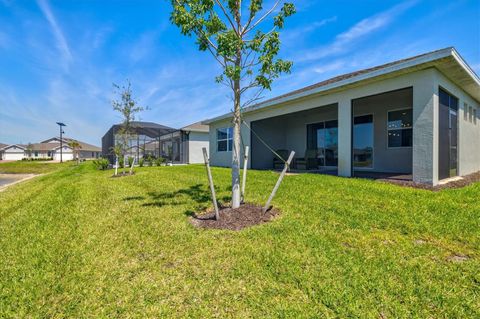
[(77, 243), (35, 167)]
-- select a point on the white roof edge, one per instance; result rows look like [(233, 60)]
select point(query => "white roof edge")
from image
[(429, 57), (10, 145), (465, 65)]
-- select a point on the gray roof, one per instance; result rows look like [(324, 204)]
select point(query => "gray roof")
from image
[(444, 59), (196, 127)]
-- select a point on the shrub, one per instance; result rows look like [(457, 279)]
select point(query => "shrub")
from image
[(150, 160), (101, 163), (120, 162), (140, 162), (130, 161), (159, 161)]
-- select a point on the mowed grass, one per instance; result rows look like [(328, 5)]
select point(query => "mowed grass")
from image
[(77, 243), (35, 167)]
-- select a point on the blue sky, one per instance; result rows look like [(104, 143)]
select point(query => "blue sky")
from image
[(58, 59)]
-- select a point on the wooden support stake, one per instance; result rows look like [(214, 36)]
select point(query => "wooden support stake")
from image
[(244, 180), (210, 182), (280, 178), (131, 167)]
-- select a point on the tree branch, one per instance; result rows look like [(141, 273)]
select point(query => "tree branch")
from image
[(248, 29)]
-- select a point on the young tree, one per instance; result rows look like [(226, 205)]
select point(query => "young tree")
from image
[(75, 146), (247, 52), (29, 150), (117, 151), (128, 108)]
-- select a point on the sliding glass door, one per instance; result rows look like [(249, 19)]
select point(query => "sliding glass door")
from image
[(323, 137), (363, 141)]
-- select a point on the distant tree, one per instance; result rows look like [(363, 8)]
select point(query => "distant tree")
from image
[(234, 34), (128, 109), (29, 150), (76, 147)]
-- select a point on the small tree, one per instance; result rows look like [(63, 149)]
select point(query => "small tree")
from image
[(75, 146), (232, 33), (29, 150), (128, 108), (117, 150)]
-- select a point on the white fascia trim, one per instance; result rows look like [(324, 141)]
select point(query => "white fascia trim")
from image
[(12, 145)]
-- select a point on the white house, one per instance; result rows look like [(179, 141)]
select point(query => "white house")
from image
[(47, 149), (417, 116)]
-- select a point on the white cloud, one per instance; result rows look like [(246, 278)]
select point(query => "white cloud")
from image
[(61, 42), (362, 29), (293, 34)]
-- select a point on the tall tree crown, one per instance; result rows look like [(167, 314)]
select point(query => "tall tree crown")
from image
[(245, 50)]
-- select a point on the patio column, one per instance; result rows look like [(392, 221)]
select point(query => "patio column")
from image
[(345, 138), (425, 128)]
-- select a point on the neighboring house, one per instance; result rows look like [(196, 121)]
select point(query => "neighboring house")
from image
[(417, 116), (143, 137), (185, 145), (2, 145), (49, 149), (13, 152), (179, 146)]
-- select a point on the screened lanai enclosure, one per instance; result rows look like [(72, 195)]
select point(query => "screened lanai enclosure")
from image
[(143, 140)]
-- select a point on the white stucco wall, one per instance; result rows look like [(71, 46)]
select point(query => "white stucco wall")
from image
[(196, 142), (67, 154), (13, 153)]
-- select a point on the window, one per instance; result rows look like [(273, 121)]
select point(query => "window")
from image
[(225, 139), (475, 116), (36, 154), (470, 115), (465, 111), (399, 128), (363, 141)]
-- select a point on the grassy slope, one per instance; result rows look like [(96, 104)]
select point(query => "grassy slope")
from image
[(36, 167), (80, 244)]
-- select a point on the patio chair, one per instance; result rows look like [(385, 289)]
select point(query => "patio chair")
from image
[(310, 161), (278, 163)]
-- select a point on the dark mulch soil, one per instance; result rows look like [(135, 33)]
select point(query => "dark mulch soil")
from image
[(234, 219), (465, 181)]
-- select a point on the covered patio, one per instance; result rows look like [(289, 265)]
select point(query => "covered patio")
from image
[(381, 138)]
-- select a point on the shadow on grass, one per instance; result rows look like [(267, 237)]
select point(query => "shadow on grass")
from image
[(197, 193)]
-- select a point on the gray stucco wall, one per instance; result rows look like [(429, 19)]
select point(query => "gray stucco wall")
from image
[(425, 85), (468, 131), (385, 159)]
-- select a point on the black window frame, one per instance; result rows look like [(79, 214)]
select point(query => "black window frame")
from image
[(401, 130)]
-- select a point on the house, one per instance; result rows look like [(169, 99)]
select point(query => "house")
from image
[(184, 146), (179, 146), (2, 145), (417, 116), (47, 149), (143, 136)]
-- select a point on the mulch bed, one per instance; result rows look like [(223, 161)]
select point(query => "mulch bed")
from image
[(246, 215), (465, 181)]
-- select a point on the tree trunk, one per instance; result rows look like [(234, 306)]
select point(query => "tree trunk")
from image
[(236, 194)]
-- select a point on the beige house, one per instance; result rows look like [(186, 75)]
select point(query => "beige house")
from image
[(418, 117)]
